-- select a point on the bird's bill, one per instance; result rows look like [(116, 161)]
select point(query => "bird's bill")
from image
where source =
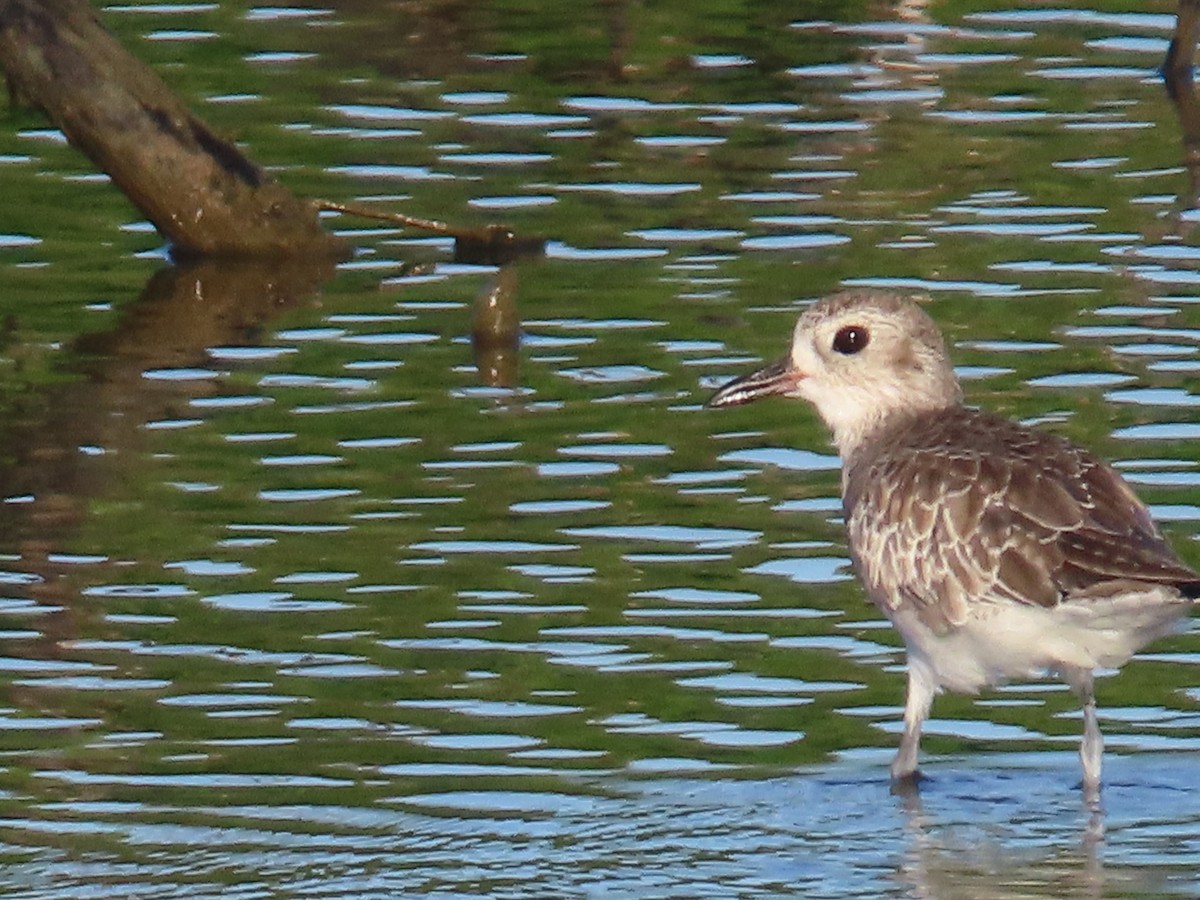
[(780, 377)]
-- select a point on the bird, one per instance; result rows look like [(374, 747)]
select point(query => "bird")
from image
[(998, 551)]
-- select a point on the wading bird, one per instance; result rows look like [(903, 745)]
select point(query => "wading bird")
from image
[(997, 551)]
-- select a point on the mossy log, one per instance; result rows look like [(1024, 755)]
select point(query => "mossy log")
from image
[(197, 188), (1181, 52)]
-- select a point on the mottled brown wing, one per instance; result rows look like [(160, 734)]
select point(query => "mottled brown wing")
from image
[(943, 521)]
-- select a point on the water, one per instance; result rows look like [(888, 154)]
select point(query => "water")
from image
[(314, 583)]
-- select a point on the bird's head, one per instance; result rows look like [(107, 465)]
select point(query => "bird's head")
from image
[(862, 358)]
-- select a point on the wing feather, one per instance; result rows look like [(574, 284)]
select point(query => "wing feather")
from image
[(968, 508)]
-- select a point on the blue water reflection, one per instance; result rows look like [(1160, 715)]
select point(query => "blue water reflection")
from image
[(304, 602)]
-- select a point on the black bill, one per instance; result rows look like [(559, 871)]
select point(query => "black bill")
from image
[(780, 377)]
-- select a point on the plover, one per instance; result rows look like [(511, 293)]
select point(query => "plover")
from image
[(997, 551)]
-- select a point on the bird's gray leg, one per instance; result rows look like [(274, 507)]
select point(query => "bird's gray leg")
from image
[(1091, 748), (921, 689)]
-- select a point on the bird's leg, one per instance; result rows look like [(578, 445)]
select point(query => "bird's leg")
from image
[(1091, 748), (921, 688)]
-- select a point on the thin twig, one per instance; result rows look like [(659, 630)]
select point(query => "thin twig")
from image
[(489, 245), (367, 212)]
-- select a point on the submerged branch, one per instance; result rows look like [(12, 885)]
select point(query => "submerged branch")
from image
[(197, 188), (488, 245)]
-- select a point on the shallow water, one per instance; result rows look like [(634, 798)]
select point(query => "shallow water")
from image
[(309, 591)]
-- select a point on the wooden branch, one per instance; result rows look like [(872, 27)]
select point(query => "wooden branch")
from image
[(1177, 67), (198, 189), (490, 245)]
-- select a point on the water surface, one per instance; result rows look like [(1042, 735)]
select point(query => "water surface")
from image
[(310, 588)]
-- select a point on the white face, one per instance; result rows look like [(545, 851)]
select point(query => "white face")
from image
[(863, 363), (859, 357)]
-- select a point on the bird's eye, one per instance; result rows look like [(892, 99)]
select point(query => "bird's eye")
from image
[(851, 339)]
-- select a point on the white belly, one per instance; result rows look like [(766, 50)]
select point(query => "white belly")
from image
[(1005, 641)]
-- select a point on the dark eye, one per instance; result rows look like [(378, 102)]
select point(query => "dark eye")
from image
[(851, 339)]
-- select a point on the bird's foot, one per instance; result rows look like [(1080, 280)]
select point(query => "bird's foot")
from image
[(907, 784), (1090, 789)]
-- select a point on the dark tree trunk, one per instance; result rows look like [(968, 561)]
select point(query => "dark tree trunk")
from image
[(1177, 68), (196, 187)]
